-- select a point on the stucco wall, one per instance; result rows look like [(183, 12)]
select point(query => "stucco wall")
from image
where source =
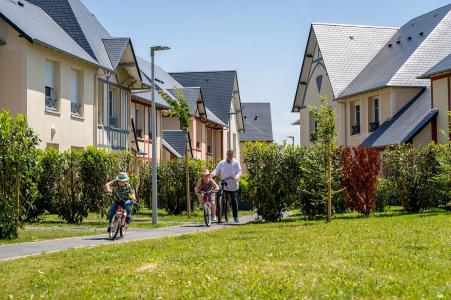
[(424, 137), (68, 131), (440, 101), (13, 71)]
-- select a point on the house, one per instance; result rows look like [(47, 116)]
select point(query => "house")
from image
[(372, 77), (221, 96), (258, 124), (63, 70)]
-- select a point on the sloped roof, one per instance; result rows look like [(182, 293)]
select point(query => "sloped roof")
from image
[(347, 49), (405, 124), (176, 139), (298, 122), (213, 118), (38, 27), (257, 120), (191, 94), (442, 67), (162, 78), (171, 149), (417, 46), (217, 89), (147, 97), (115, 48)]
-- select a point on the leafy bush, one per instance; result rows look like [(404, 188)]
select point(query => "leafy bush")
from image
[(172, 186), (71, 207), (360, 167), (18, 157), (442, 180), (412, 171), (49, 168), (383, 194), (274, 177)]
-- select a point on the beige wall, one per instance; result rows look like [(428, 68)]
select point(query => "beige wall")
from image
[(440, 101), (13, 71), (424, 137)]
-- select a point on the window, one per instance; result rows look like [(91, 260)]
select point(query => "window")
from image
[(53, 146), (100, 103), (355, 119), (113, 121), (76, 92), (312, 126), (139, 120), (50, 80), (373, 114)]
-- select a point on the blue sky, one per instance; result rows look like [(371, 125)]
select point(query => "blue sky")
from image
[(263, 40)]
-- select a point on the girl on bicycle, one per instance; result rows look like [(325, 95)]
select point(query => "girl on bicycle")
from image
[(207, 185)]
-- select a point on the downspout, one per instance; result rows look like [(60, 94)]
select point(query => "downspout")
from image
[(95, 109)]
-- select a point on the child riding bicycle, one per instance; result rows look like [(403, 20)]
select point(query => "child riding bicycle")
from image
[(207, 186), (125, 196)]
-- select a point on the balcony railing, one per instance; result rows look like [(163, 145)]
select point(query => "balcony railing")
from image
[(51, 103), (75, 108), (113, 121), (112, 138), (374, 126), (355, 129)]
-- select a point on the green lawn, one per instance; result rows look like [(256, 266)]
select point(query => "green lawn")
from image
[(386, 256)]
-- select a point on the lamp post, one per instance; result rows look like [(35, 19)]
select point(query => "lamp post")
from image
[(154, 137), (292, 138)]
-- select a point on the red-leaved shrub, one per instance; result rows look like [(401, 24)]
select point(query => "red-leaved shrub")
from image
[(360, 167)]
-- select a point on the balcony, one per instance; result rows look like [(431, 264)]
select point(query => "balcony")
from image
[(355, 129), (75, 109), (373, 126), (113, 121), (139, 133), (112, 138), (51, 103)]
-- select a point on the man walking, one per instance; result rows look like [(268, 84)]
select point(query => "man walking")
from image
[(230, 168)]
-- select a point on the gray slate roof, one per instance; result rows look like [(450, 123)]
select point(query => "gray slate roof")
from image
[(162, 78), (213, 118), (345, 57), (257, 121), (405, 124), (147, 96), (171, 149), (423, 42), (38, 27), (176, 139), (217, 89), (442, 67), (191, 95), (115, 48)]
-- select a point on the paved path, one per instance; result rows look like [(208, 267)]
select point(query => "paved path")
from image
[(14, 251)]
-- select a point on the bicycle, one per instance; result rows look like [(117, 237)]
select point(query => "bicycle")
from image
[(207, 206), (119, 221), (223, 203)]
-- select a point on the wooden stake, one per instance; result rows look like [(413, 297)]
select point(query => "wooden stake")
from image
[(188, 200)]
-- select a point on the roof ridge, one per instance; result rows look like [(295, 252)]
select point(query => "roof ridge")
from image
[(354, 25), (218, 71)]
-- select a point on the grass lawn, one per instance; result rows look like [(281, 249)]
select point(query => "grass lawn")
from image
[(386, 256), (142, 219)]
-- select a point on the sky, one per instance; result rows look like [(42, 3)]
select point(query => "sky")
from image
[(263, 40)]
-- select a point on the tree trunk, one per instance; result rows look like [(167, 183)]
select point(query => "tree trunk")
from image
[(188, 200), (329, 185)]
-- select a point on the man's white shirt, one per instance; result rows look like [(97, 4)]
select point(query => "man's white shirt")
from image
[(225, 170)]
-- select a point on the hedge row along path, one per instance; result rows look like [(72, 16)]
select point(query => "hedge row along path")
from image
[(14, 251)]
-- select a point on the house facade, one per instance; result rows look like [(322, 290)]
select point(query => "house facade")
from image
[(371, 77), (224, 120), (69, 77)]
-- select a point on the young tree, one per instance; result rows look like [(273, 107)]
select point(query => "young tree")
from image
[(324, 136), (179, 108)]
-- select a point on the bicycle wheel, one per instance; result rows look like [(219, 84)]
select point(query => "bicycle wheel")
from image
[(123, 230), (219, 207), (207, 214), (114, 227)]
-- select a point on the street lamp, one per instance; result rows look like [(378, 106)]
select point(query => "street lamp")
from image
[(292, 138), (154, 137)]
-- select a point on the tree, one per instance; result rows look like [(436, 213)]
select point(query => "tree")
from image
[(179, 108), (324, 137)]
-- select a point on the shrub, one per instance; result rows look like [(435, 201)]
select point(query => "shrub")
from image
[(360, 167), (144, 187), (442, 180), (411, 173), (94, 174), (274, 177), (17, 163), (49, 169), (383, 194), (243, 194), (72, 207), (172, 186)]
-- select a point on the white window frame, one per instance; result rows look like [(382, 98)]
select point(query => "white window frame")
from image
[(51, 85), (76, 82)]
